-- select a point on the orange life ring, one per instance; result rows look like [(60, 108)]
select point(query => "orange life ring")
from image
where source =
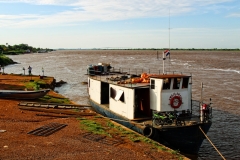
[(176, 101)]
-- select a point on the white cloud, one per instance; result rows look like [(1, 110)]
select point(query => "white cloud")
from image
[(103, 10), (234, 15)]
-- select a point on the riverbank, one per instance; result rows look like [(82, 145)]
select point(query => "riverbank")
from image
[(4, 61), (85, 137)]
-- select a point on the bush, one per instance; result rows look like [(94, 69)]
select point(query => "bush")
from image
[(4, 60)]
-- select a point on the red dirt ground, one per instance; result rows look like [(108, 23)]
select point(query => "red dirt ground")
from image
[(70, 142)]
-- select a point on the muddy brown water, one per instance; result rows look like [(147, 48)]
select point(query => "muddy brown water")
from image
[(219, 71)]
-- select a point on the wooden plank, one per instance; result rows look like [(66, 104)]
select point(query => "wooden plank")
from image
[(58, 104), (56, 115), (68, 112)]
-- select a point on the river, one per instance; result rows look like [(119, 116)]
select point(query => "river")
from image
[(219, 71)]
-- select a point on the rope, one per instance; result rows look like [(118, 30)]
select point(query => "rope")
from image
[(212, 143)]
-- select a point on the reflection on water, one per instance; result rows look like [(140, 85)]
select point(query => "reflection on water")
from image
[(219, 72)]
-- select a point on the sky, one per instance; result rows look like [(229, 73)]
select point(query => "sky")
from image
[(74, 24)]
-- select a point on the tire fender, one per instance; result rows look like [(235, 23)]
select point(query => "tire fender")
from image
[(148, 131)]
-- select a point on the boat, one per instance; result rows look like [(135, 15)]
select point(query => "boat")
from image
[(157, 105), (22, 94)]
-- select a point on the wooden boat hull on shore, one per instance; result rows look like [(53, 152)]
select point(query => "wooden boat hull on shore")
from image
[(16, 94), (187, 139)]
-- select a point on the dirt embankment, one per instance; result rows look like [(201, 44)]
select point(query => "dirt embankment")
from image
[(70, 142)]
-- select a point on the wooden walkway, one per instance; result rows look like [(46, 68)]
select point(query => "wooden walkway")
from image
[(67, 109), (54, 105)]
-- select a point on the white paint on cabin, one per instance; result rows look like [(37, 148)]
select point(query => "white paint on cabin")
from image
[(160, 99), (94, 89), (125, 108), (189, 95), (155, 94)]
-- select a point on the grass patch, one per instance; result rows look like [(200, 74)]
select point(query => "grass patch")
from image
[(93, 127), (110, 124), (176, 152), (4, 60), (98, 116), (41, 82), (107, 127), (35, 84), (135, 138), (52, 99), (32, 85)]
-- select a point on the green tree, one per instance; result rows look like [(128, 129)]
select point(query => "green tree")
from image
[(23, 46)]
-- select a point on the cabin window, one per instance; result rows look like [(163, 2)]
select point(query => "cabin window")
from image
[(120, 96), (176, 83), (152, 84), (185, 82), (113, 93), (166, 83)]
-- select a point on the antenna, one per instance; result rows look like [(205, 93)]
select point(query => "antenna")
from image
[(163, 62), (169, 30), (168, 51), (169, 41)]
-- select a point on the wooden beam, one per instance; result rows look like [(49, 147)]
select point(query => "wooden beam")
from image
[(59, 111)]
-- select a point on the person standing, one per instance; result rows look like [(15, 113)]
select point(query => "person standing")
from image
[(29, 70)]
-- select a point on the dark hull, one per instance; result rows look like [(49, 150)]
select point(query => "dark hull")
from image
[(186, 139), (12, 94)]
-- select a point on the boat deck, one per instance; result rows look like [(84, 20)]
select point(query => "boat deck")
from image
[(143, 121), (115, 79)]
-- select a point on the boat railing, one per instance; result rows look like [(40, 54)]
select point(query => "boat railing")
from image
[(137, 71), (196, 109), (133, 72), (114, 75)]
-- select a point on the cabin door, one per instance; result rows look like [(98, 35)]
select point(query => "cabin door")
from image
[(104, 93), (142, 103)]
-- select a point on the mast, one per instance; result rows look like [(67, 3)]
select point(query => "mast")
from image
[(169, 31), (163, 62), (169, 40), (168, 45)]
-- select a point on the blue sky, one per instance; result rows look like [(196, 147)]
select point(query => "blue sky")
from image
[(121, 23)]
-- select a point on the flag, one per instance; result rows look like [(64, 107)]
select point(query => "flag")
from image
[(167, 53)]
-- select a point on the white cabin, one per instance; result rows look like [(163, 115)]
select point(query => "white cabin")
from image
[(162, 91), (139, 100)]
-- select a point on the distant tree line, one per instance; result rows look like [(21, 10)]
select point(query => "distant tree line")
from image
[(21, 49), (15, 50), (177, 49), (208, 49)]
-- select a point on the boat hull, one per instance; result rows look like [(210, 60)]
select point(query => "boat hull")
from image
[(186, 139), (15, 94)]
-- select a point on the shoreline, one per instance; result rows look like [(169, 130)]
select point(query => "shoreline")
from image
[(68, 143)]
